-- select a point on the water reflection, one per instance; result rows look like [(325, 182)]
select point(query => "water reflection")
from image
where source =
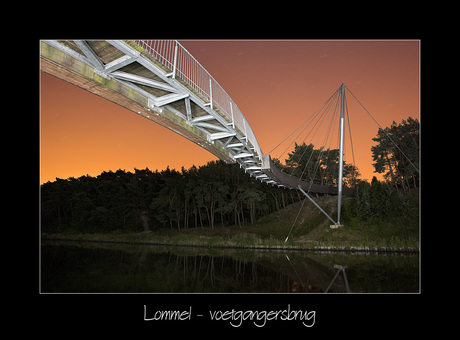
[(86, 267), (340, 269)]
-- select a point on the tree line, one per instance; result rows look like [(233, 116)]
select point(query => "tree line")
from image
[(395, 155), (378, 202), (398, 158), (216, 194)]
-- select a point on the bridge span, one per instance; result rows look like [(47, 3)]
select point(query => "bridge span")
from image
[(161, 81)]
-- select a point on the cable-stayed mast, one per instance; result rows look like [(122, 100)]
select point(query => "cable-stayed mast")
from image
[(340, 175), (342, 121)]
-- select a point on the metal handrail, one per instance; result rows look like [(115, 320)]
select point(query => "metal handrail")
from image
[(172, 55)]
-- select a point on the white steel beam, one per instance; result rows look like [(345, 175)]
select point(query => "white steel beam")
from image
[(143, 81), (119, 63), (169, 98), (316, 204), (125, 48), (89, 53), (188, 109)]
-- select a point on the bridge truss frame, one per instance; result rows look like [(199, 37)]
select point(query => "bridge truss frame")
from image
[(167, 82)]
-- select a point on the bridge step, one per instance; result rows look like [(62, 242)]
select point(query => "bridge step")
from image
[(202, 119), (220, 135), (243, 155), (235, 145)]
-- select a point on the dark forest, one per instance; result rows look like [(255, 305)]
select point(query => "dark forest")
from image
[(210, 195)]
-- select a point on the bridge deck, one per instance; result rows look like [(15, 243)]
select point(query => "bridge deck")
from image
[(272, 171)]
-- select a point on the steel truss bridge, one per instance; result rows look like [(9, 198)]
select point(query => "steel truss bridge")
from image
[(161, 81)]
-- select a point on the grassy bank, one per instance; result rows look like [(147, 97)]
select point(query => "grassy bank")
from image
[(311, 231), (243, 240)]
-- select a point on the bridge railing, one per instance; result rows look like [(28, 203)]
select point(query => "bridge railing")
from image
[(176, 58)]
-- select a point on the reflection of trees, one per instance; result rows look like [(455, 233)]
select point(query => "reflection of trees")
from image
[(317, 276), (215, 273), (227, 274), (103, 267)]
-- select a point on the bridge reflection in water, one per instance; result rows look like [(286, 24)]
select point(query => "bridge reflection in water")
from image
[(88, 267)]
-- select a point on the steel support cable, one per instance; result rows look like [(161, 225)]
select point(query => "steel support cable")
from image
[(315, 170), (323, 116), (382, 129), (334, 121), (332, 128), (298, 214), (321, 150), (323, 147), (320, 155), (303, 142), (311, 117), (317, 143)]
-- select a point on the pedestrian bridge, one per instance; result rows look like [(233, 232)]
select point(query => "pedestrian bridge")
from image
[(161, 81)]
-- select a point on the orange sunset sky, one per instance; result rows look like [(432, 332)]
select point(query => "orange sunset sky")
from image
[(276, 84)]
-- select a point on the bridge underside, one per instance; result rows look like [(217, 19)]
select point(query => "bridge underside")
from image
[(274, 173), (128, 76), (166, 119)]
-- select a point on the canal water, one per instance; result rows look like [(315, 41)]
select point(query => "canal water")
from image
[(84, 267)]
